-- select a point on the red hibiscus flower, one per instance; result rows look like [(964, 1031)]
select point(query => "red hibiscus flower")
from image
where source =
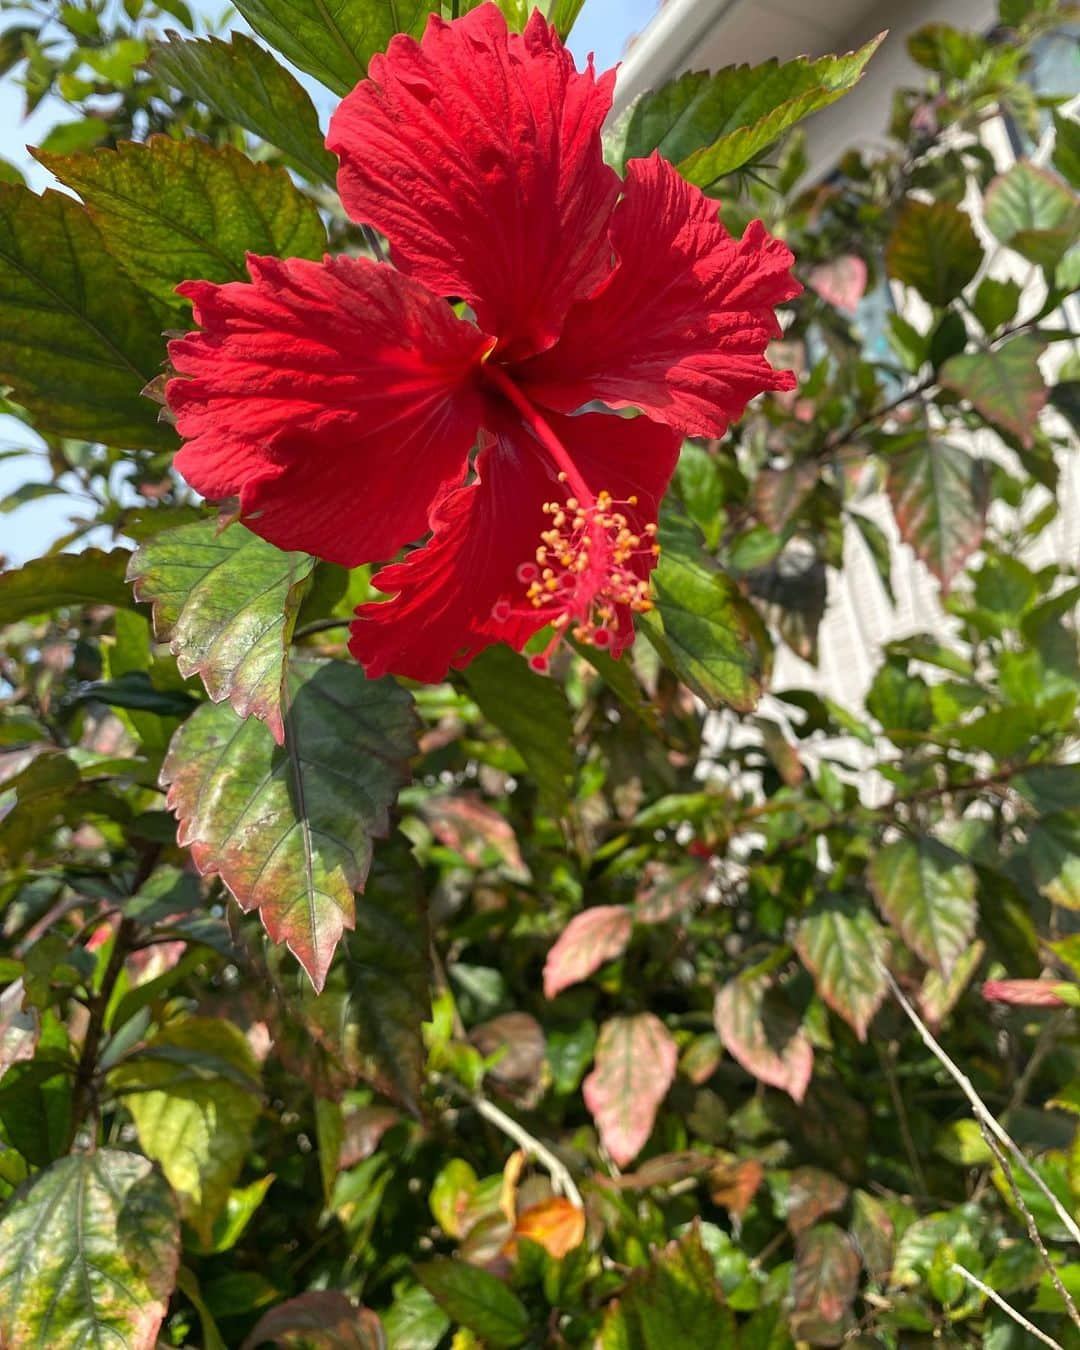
[(343, 400)]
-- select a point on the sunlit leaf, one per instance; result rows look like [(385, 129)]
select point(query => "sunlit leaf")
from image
[(635, 1066), (477, 1300), (170, 210), (243, 83), (939, 495), (78, 340), (927, 892), (933, 247), (590, 938), (1052, 858), (289, 829), (88, 1255), (675, 1299), (556, 1225), (712, 124), (226, 601), (1032, 211), (1004, 383), (840, 943), (334, 39), (763, 1034)]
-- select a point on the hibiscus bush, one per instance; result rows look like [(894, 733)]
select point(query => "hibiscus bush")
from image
[(433, 913)]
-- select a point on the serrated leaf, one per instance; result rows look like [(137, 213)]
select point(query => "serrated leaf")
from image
[(321, 1320), (476, 1299), (196, 1125), (675, 1300), (172, 210), (289, 829), (927, 892), (243, 83), (1003, 383), (226, 601), (763, 1034), (590, 938), (823, 1286), (334, 39), (88, 1255), (1052, 858), (634, 1067), (712, 124), (939, 496), (704, 631), (933, 247), (78, 340), (840, 944), (532, 713), (1032, 211)]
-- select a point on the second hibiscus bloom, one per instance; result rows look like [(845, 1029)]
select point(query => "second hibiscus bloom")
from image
[(343, 401)]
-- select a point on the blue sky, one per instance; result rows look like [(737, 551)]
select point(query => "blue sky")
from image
[(603, 27)]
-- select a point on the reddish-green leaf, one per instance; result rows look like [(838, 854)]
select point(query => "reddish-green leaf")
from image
[(1003, 383), (1032, 211), (824, 1285), (322, 1320), (88, 1255), (811, 1194), (635, 1066), (590, 938), (933, 247), (927, 892), (226, 601), (290, 828), (840, 944), (761, 1031), (674, 1300), (939, 496)]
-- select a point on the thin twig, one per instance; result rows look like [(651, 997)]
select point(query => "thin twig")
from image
[(902, 1118), (1006, 1308), (556, 1169)]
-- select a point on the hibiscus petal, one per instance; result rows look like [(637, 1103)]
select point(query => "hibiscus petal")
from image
[(337, 399), (445, 594), (681, 326), (477, 153)]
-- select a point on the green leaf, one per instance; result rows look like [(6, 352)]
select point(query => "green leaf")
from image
[(1003, 383), (476, 1299), (1032, 211), (703, 629), (995, 302), (78, 340), (939, 495), (35, 1109), (334, 39), (197, 1125), (226, 601), (879, 548), (289, 829), (31, 800), (710, 125), (172, 210), (840, 943), (243, 83), (46, 584), (563, 14), (674, 1300), (1067, 148), (72, 136), (933, 247), (1052, 858), (927, 892), (532, 713), (88, 1255)]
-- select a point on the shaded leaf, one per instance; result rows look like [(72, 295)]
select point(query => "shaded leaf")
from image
[(762, 1032), (1052, 858), (927, 892), (1032, 211), (811, 1194), (712, 124), (30, 802), (88, 1255), (674, 1300), (840, 944), (191, 1119), (703, 629), (1066, 157), (933, 247), (243, 83), (334, 39), (1003, 383), (590, 938), (324, 1319), (289, 829), (824, 1285), (532, 713), (226, 601), (477, 1300), (171, 210), (939, 495), (634, 1067), (78, 340)]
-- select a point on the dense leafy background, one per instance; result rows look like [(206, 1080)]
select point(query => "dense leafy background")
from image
[(613, 1043)]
